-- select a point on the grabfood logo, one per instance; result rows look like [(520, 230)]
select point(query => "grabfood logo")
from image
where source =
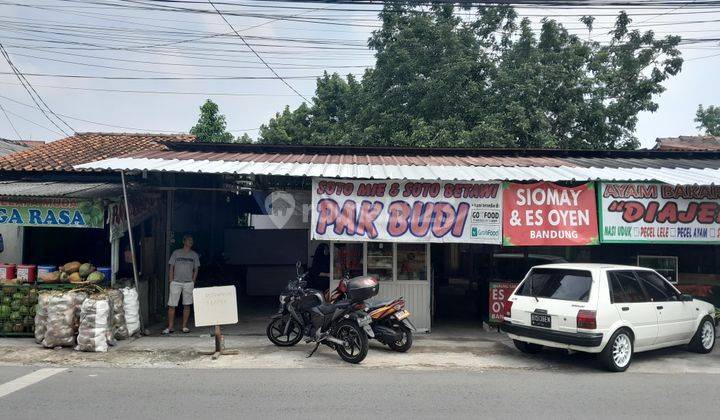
[(280, 207)]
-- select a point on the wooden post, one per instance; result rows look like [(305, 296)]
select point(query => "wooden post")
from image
[(132, 245), (218, 342)]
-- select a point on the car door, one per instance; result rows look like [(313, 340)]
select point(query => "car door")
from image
[(634, 306), (675, 322)]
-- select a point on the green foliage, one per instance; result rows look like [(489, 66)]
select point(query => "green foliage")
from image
[(211, 126), (708, 119), (441, 81)]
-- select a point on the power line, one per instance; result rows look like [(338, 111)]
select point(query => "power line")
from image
[(258, 55), (11, 123), (29, 89)]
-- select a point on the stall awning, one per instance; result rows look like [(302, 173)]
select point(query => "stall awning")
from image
[(54, 189), (460, 165)]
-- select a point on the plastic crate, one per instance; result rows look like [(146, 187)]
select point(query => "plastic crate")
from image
[(17, 310)]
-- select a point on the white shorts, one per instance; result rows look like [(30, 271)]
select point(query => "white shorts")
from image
[(176, 289)]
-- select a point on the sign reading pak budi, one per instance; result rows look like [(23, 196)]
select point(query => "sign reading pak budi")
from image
[(548, 214), (406, 211)]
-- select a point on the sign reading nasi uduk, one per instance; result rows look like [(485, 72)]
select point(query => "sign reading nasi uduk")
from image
[(406, 211), (654, 212), (548, 214), (52, 213)]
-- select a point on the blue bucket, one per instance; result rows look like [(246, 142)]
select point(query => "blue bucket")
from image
[(107, 272)]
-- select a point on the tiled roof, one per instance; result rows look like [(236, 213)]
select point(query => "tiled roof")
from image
[(688, 143), (11, 146), (63, 154)]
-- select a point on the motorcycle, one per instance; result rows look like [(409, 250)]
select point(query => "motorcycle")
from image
[(343, 325), (391, 323)]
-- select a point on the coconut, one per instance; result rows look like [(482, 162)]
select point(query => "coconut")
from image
[(86, 269), (72, 267)]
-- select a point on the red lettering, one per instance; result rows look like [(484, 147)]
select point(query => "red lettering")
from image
[(328, 211), (444, 219), (369, 212), (345, 222), (399, 213), (421, 218)]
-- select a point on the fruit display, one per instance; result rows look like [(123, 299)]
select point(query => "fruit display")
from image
[(17, 309), (75, 272)]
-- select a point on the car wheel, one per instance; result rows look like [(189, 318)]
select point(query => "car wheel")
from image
[(618, 352), (529, 348), (704, 339)]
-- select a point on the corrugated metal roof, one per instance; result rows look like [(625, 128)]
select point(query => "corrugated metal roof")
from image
[(59, 189), (182, 163)]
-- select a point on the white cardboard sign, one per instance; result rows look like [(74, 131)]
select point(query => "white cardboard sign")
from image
[(215, 306)]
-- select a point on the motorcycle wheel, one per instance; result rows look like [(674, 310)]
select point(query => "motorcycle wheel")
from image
[(276, 328), (357, 340), (404, 344)]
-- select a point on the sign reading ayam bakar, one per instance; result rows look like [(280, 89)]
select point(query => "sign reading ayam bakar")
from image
[(654, 212), (406, 211), (548, 214)]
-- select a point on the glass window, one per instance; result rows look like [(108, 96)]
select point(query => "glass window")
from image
[(656, 286), (347, 256), (558, 284), (411, 262), (630, 286), (380, 260)]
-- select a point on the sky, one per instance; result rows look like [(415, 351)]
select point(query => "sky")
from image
[(115, 47)]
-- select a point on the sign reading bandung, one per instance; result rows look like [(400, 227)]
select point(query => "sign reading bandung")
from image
[(548, 214), (52, 213), (406, 211), (654, 212)]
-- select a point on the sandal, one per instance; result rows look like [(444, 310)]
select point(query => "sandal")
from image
[(167, 331), (185, 330)]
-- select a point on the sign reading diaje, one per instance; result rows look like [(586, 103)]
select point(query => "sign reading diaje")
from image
[(215, 306), (406, 211)]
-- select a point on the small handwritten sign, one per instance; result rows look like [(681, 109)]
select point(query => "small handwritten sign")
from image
[(215, 306)]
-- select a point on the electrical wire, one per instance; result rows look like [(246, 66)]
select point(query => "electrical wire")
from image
[(258, 55), (19, 137)]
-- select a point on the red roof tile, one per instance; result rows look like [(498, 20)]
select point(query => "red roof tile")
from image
[(61, 155), (688, 143)]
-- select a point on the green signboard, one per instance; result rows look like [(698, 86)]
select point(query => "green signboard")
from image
[(52, 213)]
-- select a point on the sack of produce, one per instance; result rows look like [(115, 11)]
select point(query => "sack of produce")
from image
[(132, 310), (94, 324), (60, 319), (118, 324), (78, 297), (41, 314)]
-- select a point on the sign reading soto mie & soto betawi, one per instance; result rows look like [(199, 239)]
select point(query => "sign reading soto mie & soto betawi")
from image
[(406, 211), (633, 212), (52, 213)]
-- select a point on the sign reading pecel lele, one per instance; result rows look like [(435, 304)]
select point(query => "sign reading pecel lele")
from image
[(52, 213), (548, 214), (406, 211), (215, 306), (655, 212)]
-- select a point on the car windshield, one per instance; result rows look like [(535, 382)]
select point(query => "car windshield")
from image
[(561, 284)]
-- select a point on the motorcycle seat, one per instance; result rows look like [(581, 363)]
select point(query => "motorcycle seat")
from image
[(380, 303), (328, 308)]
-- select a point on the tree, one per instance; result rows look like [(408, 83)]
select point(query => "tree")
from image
[(708, 119), (443, 81), (211, 126)]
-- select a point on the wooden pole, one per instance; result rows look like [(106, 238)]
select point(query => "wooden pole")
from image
[(218, 342), (132, 243)]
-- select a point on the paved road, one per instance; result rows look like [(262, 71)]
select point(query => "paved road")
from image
[(122, 393)]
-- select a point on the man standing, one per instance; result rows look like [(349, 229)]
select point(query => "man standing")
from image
[(184, 264)]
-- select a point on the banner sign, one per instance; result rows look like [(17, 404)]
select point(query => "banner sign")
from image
[(548, 214), (52, 213), (141, 207), (406, 211), (655, 212), (499, 293)]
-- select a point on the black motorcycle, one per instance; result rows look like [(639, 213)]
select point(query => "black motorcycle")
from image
[(343, 325)]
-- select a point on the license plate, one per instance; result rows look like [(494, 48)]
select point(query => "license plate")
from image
[(540, 320), (400, 315)]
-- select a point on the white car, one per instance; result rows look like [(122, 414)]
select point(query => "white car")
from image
[(612, 310)]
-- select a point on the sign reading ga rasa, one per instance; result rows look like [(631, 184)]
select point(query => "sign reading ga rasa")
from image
[(215, 306)]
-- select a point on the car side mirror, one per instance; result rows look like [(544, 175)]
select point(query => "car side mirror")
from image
[(686, 298)]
